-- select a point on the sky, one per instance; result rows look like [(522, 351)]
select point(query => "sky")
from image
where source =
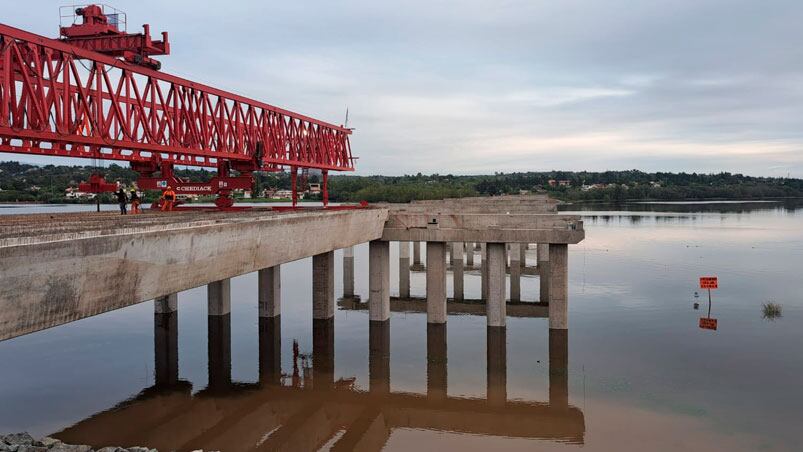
[(477, 87)]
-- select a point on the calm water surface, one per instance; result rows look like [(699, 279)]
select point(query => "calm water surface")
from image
[(641, 374)]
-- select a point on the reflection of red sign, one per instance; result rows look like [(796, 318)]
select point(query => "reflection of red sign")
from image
[(708, 282), (708, 324)]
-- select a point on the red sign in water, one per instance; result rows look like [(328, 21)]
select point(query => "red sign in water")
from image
[(708, 282), (708, 323)]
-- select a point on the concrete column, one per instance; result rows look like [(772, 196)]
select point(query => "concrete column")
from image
[(219, 351), (558, 286), (379, 357), (348, 272), (379, 280), (270, 350), (404, 269), (496, 381), (416, 253), (165, 343), (457, 270), (437, 374), (515, 271), (483, 271), (559, 368), (543, 271), (436, 282), (219, 297), (523, 247), (323, 285), (450, 250), (270, 291), (323, 353), (166, 304), (495, 304), (470, 254)]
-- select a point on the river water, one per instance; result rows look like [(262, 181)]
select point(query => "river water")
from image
[(642, 374)]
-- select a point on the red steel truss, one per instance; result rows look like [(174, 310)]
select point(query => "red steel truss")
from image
[(57, 99)]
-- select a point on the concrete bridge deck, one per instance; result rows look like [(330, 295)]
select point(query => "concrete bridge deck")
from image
[(58, 268)]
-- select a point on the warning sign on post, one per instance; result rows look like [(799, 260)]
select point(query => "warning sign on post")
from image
[(708, 282), (708, 323)]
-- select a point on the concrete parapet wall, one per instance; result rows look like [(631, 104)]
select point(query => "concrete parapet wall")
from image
[(63, 279)]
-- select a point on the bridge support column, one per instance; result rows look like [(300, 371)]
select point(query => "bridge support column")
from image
[(165, 341), (379, 357), (436, 282), (543, 271), (323, 285), (323, 353), (219, 297), (496, 380), (416, 253), (348, 272), (457, 271), (437, 374), (270, 291), (559, 368), (484, 271), (495, 302), (523, 247), (219, 351), (515, 271), (558, 286), (379, 280), (469, 254), (404, 269), (270, 350)]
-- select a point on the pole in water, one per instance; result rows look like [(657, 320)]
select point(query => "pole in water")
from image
[(97, 201), (709, 303)]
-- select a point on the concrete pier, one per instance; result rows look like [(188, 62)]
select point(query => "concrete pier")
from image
[(515, 271), (270, 350), (166, 304), (379, 357), (269, 282), (543, 271), (484, 271), (436, 282), (219, 351), (496, 377), (323, 353), (437, 373), (404, 269), (469, 254), (523, 247), (559, 368), (219, 297), (558, 286), (323, 285), (416, 252), (457, 271), (348, 272), (165, 345), (496, 284), (379, 280)]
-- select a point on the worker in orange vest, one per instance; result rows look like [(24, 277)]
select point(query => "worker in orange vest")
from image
[(168, 198)]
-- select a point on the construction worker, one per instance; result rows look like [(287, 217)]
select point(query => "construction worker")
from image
[(122, 199), (134, 202), (168, 198)]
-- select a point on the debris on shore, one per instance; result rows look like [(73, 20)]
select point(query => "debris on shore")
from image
[(24, 442)]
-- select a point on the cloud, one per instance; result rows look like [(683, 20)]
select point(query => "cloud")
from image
[(480, 86)]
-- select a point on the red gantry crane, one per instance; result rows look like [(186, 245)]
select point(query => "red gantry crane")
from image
[(97, 93)]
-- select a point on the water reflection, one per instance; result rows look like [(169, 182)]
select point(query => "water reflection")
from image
[(307, 414)]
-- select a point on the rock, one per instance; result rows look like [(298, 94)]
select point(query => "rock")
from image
[(18, 439), (49, 442), (141, 449), (70, 448), (31, 448), (111, 449), (7, 447)]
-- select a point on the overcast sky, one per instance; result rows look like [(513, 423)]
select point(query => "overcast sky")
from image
[(482, 86)]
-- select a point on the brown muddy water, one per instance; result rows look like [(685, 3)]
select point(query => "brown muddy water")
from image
[(634, 371)]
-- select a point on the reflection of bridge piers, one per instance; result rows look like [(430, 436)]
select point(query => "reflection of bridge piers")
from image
[(269, 415)]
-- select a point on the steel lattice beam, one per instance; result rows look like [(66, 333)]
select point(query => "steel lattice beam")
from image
[(61, 100)]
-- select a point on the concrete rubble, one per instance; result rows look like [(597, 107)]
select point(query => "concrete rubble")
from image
[(24, 442)]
